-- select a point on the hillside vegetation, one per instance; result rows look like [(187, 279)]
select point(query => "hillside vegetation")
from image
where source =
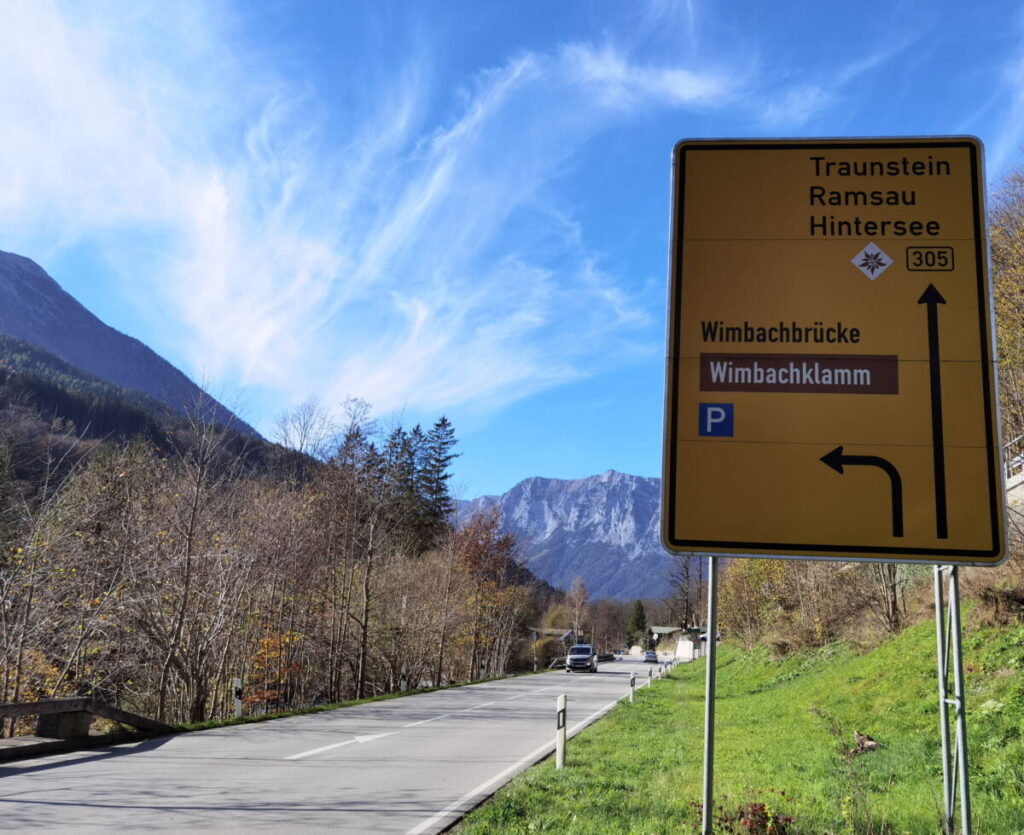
[(785, 730), (148, 573)]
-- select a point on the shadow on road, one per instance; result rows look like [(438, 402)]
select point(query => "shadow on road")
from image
[(87, 755)]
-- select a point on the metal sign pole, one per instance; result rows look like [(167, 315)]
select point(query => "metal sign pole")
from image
[(709, 697), (950, 642), (943, 679), (960, 695)]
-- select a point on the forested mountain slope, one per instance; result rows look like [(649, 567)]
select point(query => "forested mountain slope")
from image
[(35, 309)]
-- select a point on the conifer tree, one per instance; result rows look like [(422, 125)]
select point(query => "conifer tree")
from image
[(437, 455)]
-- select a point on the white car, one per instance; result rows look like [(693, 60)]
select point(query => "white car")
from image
[(581, 657)]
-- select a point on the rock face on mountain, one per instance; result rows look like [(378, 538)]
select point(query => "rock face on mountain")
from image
[(605, 529), (34, 308)]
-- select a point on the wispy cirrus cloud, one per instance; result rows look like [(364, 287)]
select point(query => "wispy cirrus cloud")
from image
[(408, 258), (795, 106), (1009, 98), (620, 82)]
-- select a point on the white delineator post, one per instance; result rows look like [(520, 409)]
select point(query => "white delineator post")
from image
[(237, 684), (560, 732), (632, 688)]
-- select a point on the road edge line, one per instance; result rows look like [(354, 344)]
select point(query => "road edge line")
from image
[(475, 797)]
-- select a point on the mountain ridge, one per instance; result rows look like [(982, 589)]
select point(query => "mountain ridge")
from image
[(604, 528), (37, 310)]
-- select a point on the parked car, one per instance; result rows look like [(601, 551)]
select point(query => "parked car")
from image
[(581, 657), (651, 656)]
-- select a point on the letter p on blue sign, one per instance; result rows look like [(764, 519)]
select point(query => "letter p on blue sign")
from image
[(716, 420)]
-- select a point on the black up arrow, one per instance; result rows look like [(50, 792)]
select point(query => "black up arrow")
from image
[(836, 460), (933, 298)]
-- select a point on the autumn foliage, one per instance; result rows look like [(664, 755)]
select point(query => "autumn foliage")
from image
[(151, 575)]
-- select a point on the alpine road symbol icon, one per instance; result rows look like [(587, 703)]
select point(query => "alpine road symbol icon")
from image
[(871, 261)]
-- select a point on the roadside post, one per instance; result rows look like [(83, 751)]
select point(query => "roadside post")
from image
[(632, 688), (831, 385), (560, 732), (237, 685)]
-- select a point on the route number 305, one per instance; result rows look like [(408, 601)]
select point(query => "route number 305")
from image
[(930, 258)]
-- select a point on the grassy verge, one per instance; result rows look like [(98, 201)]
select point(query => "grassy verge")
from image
[(783, 732)]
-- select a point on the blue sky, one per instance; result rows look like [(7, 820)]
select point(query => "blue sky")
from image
[(439, 207)]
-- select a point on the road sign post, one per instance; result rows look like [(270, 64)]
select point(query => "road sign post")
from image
[(950, 644), (708, 805), (831, 381)]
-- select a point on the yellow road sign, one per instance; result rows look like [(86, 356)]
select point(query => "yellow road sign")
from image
[(831, 388)]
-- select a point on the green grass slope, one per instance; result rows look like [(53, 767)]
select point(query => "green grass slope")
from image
[(784, 730)]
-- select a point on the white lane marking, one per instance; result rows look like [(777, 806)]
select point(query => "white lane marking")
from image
[(477, 707), (471, 798), (353, 741), (532, 692), (361, 739), (424, 721)]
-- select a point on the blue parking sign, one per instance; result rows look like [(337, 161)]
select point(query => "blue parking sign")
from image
[(716, 420)]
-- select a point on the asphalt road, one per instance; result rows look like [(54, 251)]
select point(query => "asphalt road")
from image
[(413, 764)]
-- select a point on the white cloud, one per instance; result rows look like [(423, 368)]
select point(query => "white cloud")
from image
[(404, 261), (1009, 141), (795, 107), (622, 83)]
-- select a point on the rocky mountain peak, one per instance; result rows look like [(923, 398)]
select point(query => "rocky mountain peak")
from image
[(604, 528)]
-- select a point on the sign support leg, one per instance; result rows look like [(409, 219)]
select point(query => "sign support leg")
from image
[(943, 679), (960, 697), (709, 697), (949, 642)]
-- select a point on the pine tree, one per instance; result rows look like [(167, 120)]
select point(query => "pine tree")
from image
[(436, 457)]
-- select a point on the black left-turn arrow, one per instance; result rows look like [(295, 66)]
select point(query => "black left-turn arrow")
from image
[(836, 460)]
